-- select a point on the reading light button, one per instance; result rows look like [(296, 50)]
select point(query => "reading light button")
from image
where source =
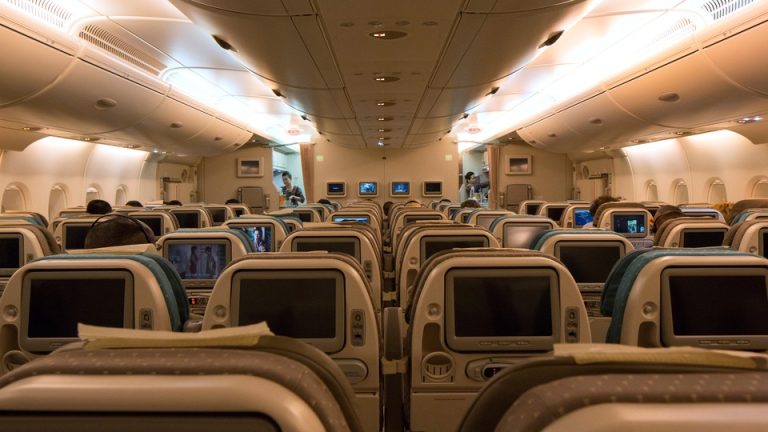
[(146, 319), (358, 327)]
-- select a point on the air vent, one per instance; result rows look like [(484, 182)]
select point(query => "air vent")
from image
[(719, 9), (105, 40), (45, 10)]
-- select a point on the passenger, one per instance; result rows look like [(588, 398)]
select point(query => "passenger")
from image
[(726, 209), (98, 207), (118, 230), (469, 188), (134, 203), (175, 203), (413, 204), (387, 205), (595, 205), (293, 194), (663, 214), (233, 201), (470, 203)]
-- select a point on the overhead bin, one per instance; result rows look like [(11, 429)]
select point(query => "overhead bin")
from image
[(487, 6), (432, 125), (741, 58)]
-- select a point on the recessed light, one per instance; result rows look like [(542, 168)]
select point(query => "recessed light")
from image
[(388, 34), (429, 23), (383, 118), (386, 78), (385, 103), (746, 120), (384, 130), (381, 144)]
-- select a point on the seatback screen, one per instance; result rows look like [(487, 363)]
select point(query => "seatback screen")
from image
[(485, 221), (260, 237), (218, 215), (630, 224), (555, 213), (155, 223), (304, 216), (703, 238), (74, 236), (532, 209), (351, 218), (197, 261), (581, 217), (589, 264), (349, 246), (10, 251), (188, 219)]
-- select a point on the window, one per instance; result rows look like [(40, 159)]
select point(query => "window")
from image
[(651, 191), (57, 200), (680, 192), (716, 191), (13, 198)]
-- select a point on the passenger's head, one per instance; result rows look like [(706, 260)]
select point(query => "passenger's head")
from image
[(727, 210), (287, 177), (600, 201), (470, 203), (98, 207), (134, 203), (665, 213), (387, 205), (470, 177), (232, 201), (118, 230), (324, 201), (175, 203), (413, 204)]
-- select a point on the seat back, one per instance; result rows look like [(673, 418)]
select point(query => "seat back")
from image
[(200, 255), (306, 214), (359, 215), (272, 231), (160, 221), (749, 236), (484, 218), (518, 231), (702, 212), (41, 220), (475, 312), (70, 233), (219, 213), (691, 232), (239, 209), (711, 298), (321, 298), (750, 214), (21, 244), (191, 217), (553, 211), (51, 295), (410, 215), (530, 207), (626, 218), (576, 216)]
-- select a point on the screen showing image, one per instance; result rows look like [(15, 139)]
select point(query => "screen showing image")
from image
[(532, 209), (304, 216), (357, 219), (298, 308), (401, 188), (188, 219), (347, 246), (502, 306), (74, 236), (718, 305), (154, 223), (485, 221), (555, 213), (56, 306), (589, 264), (697, 239), (581, 217), (198, 261), (433, 188), (218, 215), (764, 244), (433, 245), (10, 252), (337, 188), (260, 237), (368, 188), (629, 223), (521, 236)]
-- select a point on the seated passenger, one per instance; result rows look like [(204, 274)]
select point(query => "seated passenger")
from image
[(470, 203), (328, 202), (98, 207), (175, 203), (726, 209), (663, 214), (118, 230), (233, 201), (134, 203), (594, 206)]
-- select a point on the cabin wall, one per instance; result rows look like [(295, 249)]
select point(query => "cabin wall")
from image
[(219, 180), (437, 161), (53, 173), (550, 176)]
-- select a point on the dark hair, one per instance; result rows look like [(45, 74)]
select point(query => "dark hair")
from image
[(324, 201), (387, 205), (175, 202), (286, 174), (98, 206), (118, 230), (233, 201), (470, 203), (468, 175), (134, 203), (600, 201)]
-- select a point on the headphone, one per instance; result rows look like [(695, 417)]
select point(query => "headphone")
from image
[(113, 216)]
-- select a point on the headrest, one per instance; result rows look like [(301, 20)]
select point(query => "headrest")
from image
[(615, 205)]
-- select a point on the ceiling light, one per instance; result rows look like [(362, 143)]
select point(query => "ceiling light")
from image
[(386, 78), (381, 144), (385, 103), (388, 35), (384, 130), (747, 120)]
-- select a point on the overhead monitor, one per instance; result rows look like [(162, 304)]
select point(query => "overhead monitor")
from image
[(630, 224), (154, 222), (11, 253), (218, 214), (345, 245), (187, 218), (364, 219), (431, 245), (485, 220), (198, 261), (701, 237), (521, 235), (53, 302), (555, 212), (532, 208), (73, 235), (589, 262), (432, 188), (261, 235), (514, 309), (581, 217), (337, 189), (302, 304), (368, 188), (400, 189), (706, 307)]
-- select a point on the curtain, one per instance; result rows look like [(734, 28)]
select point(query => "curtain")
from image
[(307, 152), (494, 157)]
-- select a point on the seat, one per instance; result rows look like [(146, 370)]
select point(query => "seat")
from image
[(275, 384), (160, 221), (704, 211), (629, 219), (359, 215), (219, 213), (51, 295), (741, 209), (691, 232), (349, 239), (590, 387), (589, 255), (750, 214), (274, 230), (553, 211), (22, 243), (200, 255), (475, 312), (191, 217), (239, 209), (421, 242), (709, 298), (749, 236), (41, 220), (321, 298), (484, 218), (70, 232), (517, 231), (410, 215), (576, 216), (530, 207)]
